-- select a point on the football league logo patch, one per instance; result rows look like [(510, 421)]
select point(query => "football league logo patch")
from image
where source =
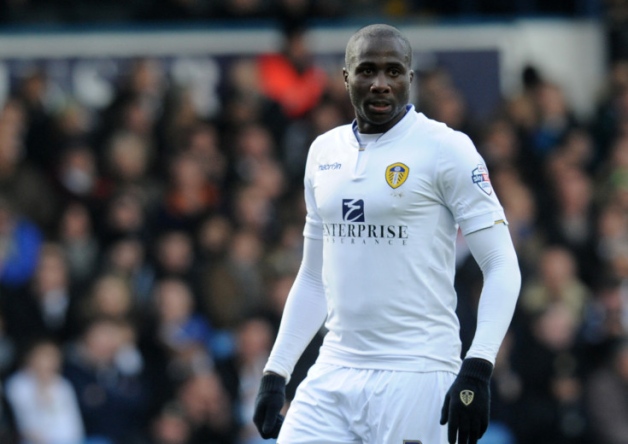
[(466, 396), (481, 179), (396, 174)]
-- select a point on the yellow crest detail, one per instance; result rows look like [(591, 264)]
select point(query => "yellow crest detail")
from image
[(466, 396), (396, 174)]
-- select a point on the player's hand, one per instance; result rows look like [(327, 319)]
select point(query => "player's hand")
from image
[(268, 405), (467, 403)]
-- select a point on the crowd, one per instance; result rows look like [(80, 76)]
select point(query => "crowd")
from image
[(146, 252)]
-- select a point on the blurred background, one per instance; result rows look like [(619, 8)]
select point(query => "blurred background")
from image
[(151, 211)]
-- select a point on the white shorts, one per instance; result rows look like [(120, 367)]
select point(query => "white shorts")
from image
[(338, 405)]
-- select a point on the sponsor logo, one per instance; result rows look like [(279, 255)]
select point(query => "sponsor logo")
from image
[(353, 210), (355, 230), (365, 231), (396, 174), (466, 396), (330, 166), (480, 177)]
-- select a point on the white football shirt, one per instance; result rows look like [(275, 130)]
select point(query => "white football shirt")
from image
[(388, 215)]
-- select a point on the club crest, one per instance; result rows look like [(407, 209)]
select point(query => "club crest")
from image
[(466, 396), (396, 174)]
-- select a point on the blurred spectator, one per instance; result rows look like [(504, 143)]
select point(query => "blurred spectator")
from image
[(254, 339), (254, 211), (553, 118), (440, 99), (605, 322), (72, 125), (550, 409), (301, 133), (284, 258), (190, 195), (21, 183), (613, 170), (203, 143), (214, 238), (184, 332), (555, 283), (253, 147), (137, 104), (79, 242), (499, 144), (78, 178), (208, 408), (570, 220), (170, 426), (240, 370), (175, 256), (43, 402), (616, 14), (20, 241), (123, 216), (234, 287), (607, 400), (290, 77), (505, 392), (47, 308), (128, 161), (110, 297), (577, 150), (612, 110), (37, 96), (126, 259), (108, 381), (612, 234), (244, 103)]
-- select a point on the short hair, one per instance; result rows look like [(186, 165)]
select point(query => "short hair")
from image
[(378, 30)]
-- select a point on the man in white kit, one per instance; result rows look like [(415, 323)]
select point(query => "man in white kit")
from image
[(385, 198)]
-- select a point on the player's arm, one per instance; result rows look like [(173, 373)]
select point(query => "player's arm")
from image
[(467, 403), (465, 187), (303, 316), (493, 250), (304, 313)]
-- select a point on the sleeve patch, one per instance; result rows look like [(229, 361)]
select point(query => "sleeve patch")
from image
[(480, 177)]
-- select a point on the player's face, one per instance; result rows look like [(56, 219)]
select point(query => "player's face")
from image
[(378, 80)]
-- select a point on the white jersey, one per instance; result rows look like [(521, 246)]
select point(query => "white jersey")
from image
[(388, 216)]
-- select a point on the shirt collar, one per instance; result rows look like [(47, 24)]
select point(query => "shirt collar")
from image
[(397, 129)]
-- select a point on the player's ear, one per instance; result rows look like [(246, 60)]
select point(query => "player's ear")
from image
[(345, 75), (411, 75)]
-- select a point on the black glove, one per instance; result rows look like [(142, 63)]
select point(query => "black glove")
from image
[(268, 404), (467, 403)]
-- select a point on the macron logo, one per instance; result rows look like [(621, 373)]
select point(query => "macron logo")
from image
[(353, 210), (330, 166)]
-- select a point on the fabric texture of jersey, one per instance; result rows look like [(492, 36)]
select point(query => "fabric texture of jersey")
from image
[(388, 216)]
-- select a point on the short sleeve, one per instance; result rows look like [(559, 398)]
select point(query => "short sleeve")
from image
[(313, 222), (465, 186)]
